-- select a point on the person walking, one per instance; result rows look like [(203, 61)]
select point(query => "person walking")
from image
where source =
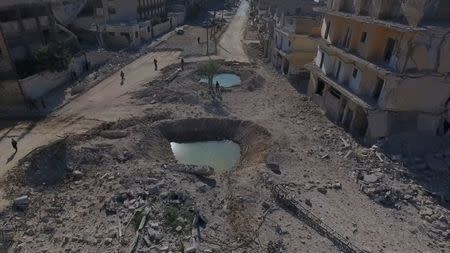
[(156, 64), (14, 144), (122, 75), (182, 63)]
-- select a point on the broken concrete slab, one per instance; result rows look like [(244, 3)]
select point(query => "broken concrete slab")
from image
[(113, 134), (204, 171), (371, 178), (22, 202)]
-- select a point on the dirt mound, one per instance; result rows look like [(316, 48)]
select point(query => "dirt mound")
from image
[(253, 139), (46, 165)]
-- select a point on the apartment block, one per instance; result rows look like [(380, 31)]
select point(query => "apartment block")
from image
[(288, 31), (25, 27), (295, 40), (382, 66), (118, 24)]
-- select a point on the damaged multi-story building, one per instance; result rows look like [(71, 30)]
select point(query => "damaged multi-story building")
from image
[(288, 32), (295, 36), (382, 66), (25, 27), (121, 23)]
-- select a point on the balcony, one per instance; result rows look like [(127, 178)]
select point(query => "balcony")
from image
[(365, 102)]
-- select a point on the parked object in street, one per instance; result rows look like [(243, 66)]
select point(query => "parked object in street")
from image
[(179, 30)]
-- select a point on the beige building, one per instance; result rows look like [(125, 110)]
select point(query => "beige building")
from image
[(382, 66), (295, 42), (25, 27), (121, 23), (288, 32)]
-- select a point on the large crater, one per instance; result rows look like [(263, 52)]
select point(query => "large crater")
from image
[(253, 139)]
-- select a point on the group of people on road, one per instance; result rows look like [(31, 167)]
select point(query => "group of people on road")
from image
[(122, 74), (155, 63)]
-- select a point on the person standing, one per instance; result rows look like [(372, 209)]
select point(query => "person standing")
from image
[(198, 40), (156, 64), (122, 75), (182, 63), (14, 144), (217, 87)]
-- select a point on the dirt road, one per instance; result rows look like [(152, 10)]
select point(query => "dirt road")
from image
[(108, 101), (231, 46)]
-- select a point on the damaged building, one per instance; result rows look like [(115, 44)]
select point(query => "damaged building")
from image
[(295, 36), (25, 27), (117, 24), (288, 31), (382, 66)]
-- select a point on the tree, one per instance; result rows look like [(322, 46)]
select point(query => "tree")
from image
[(54, 58), (208, 70)]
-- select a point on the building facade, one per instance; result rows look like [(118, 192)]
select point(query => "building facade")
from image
[(295, 42), (121, 23), (25, 27), (288, 31), (382, 66)]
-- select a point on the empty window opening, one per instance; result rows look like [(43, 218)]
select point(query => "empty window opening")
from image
[(320, 87), (389, 50), (348, 119), (322, 59), (355, 72), (347, 38), (338, 71), (446, 127), (327, 30), (335, 93), (378, 88), (363, 37)]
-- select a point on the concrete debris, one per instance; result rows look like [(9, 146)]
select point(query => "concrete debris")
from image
[(274, 167), (204, 171), (371, 178), (322, 190), (22, 202), (113, 134)]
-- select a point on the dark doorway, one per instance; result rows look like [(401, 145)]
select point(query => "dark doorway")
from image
[(338, 71), (327, 30), (390, 45), (320, 87), (348, 119), (379, 87), (322, 58)]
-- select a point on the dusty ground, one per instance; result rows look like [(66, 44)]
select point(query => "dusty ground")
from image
[(122, 176), (187, 42), (371, 200)]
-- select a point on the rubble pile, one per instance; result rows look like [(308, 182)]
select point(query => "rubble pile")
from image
[(398, 183), (121, 195)]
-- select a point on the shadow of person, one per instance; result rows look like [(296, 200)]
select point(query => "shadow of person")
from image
[(11, 157)]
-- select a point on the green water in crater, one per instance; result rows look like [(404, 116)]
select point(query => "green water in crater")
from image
[(225, 80), (220, 155)]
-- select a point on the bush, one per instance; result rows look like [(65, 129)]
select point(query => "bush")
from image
[(208, 70), (54, 58)]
